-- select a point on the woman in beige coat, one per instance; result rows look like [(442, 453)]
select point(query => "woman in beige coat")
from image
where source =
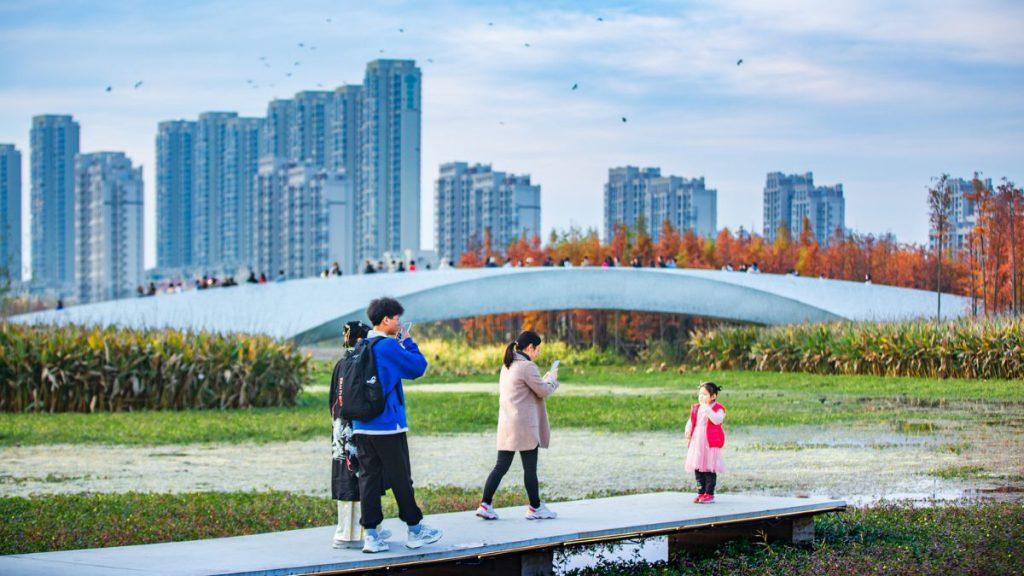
[(522, 423)]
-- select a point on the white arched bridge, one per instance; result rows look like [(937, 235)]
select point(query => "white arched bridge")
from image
[(312, 309)]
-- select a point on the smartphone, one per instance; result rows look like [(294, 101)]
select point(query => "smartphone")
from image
[(554, 365)]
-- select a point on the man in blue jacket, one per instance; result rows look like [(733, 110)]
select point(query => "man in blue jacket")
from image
[(382, 445)]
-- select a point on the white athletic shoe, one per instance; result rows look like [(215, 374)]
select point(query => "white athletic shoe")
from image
[(486, 511), (373, 545), (426, 535), (541, 513)]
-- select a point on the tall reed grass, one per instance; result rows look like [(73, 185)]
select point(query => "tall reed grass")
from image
[(79, 369), (962, 349)]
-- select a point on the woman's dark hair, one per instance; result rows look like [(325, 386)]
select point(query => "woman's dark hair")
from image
[(381, 308), (711, 387), (525, 338), (353, 332)]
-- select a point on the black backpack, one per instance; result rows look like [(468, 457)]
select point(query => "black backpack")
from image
[(362, 397)]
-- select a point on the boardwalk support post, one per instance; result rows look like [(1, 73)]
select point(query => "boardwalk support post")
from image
[(793, 529)]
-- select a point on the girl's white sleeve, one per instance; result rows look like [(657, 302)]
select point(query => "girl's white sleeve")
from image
[(689, 427), (716, 417)]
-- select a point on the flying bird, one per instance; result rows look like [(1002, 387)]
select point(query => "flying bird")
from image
[(490, 23), (431, 60), (401, 30), (109, 88), (740, 61), (137, 85), (297, 63), (288, 74), (575, 86), (301, 45), (623, 119), (502, 122), (381, 50), (263, 57), (600, 19), (328, 20), (526, 44)]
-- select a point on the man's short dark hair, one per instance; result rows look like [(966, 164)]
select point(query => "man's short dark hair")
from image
[(381, 308)]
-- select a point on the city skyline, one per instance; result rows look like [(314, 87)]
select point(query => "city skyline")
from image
[(878, 105)]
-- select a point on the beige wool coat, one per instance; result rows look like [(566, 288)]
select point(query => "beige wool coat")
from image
[(522, 414)]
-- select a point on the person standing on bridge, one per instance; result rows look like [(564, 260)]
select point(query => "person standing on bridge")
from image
[(381, 443), (522, 423)]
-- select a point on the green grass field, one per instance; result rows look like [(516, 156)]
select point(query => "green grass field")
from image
[(752, 398)]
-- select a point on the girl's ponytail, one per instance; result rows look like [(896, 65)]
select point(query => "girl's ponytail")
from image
[(526, 338), (510, 354)]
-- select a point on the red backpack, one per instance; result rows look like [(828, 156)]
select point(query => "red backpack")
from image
[(715, 432)]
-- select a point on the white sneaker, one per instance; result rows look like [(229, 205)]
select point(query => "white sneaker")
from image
[(486, 511), (541, 513), (373, 545), (426, 535)]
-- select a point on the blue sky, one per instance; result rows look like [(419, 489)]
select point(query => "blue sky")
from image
[(877, 95)]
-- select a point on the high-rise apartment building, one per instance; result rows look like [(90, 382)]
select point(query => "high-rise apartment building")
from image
[(54, 141), (10, 214)]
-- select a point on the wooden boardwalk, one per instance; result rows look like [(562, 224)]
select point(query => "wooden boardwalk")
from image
[(511, 545)]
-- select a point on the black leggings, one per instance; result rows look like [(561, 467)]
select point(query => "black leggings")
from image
[(529, 459), (706, 482)]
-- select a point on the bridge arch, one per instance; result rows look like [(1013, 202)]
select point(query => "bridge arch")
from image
[(311, 309)]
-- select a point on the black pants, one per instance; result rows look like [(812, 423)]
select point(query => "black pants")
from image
[(529, 459), (385, 458), (706, 482)]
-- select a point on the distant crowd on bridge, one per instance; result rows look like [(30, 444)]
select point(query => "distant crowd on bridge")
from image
[(393, 266)]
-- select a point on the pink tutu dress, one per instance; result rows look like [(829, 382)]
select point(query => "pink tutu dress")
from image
[(700, 456)]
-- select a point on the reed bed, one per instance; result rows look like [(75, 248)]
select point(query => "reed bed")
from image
[(84, 369), (991, 348)]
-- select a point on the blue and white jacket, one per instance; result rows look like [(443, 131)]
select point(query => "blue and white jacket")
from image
[(395, 361)]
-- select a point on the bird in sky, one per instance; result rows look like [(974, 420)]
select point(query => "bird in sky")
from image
[(401, 30), (297, 63), (302, 45), (328, 20), (623, 119), (740, 61), (600, 19), (288, 74), (137, 85), (575, 86), (526, 44), (109, 88), (381, 50), (490, 23), (502, 123), (431, 60)]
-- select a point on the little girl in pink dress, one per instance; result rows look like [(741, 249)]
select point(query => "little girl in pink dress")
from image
[(704, 440)]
